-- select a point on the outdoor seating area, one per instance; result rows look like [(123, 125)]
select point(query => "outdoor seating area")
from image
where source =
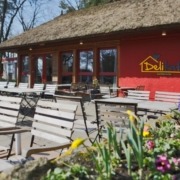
[(61, 121)]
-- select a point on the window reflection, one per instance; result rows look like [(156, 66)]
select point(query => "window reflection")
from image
[(38, 70), (25, 69), (66, 79), (86, 61), (108, 60), (49, 68), (108, 79), (67, 62)]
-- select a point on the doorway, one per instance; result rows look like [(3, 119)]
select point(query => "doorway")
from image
[(43, 69)]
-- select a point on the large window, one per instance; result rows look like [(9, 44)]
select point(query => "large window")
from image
[(43, 69), (25, 69), (67, 67), (85, 66), (108, 66)]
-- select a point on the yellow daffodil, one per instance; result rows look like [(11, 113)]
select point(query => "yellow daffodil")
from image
[(146, 134), (76, 143), (132, 117)]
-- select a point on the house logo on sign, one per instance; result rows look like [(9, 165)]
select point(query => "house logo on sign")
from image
[(152, 64)]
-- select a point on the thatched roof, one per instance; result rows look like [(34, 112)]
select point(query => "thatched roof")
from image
[(114, 17)]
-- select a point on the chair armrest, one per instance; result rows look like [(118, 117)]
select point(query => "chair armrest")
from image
[(33, 150), (13, 130)]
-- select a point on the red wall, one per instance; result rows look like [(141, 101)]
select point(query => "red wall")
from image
[(134, 51)]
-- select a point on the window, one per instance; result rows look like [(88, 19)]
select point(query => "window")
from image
[(67, 67), (25, 69), (108, 66), (85, 66), (43, 68), (67, 62)]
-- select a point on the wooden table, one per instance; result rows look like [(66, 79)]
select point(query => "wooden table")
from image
[(27, 101), (120, 99), (153, 106), (157, 106)]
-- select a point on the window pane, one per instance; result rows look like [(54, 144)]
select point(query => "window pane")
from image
[(108, 80), (25, 69), (85, 79), (108, 60), (86, 61), (49, 68), (66, 79), (38, 70), (67, 62)]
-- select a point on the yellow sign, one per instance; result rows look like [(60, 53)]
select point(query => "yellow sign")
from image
[(152, 65)]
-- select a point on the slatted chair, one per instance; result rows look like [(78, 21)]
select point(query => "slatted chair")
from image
[(141, 95), (11, 84), (53, 123), (113, 113), (82, 123), (3, 84), (105, 92), (51, 89), (23, 85), (167, 96), (9, 113), (172, 97)]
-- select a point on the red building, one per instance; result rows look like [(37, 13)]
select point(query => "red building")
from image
[(127, 43)]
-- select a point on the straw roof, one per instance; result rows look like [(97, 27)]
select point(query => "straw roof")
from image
[(110, 18)]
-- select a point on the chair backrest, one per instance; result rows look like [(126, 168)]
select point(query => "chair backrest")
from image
[(23, 85), (74, 87), (81, 123), (3, 84), (113, 113), (140, 88), (51, 89), (82, 86), (167, 96), (141, 95), (105, 89), (11, 84), (38, 86), (54, 121), (9, 110)]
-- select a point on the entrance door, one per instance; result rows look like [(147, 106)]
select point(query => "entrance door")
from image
[(43, 69)]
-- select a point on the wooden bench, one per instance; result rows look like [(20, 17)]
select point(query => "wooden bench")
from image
[(167, 96), (141, 95)]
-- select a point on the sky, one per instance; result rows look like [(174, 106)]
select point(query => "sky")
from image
[(49, 11)]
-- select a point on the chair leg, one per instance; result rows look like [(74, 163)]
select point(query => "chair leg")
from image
[(32, 141), (11, 145)]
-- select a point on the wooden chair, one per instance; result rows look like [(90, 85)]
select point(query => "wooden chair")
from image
[(51, 89), (23, 85), (9, 113), (141, 95), (11, 84), (113, 113), (3, 84), (167, 96), (53, 122), (81, 123), (104, 92)]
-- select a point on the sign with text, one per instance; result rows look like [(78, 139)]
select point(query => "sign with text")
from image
[(155, 65)]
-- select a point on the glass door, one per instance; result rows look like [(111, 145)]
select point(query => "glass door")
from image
[(43, 69)]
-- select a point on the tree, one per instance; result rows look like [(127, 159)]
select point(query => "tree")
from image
[(73, 5), (9, 9), (32, 13)]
